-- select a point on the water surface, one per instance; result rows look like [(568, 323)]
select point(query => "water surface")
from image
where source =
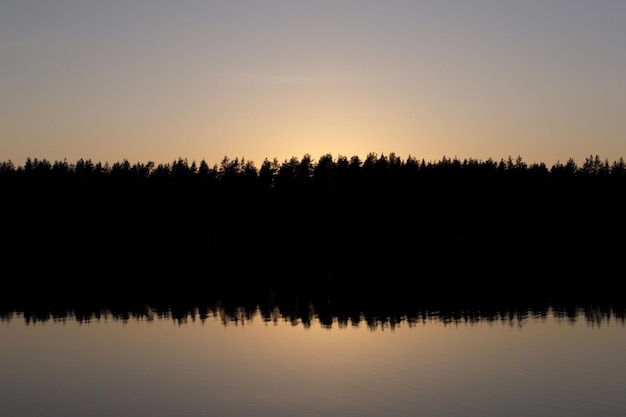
[(237, 366)]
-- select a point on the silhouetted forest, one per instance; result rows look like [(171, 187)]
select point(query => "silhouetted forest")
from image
[(349, 235)]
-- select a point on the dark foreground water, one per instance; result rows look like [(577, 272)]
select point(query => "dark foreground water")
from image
[(229, 365)]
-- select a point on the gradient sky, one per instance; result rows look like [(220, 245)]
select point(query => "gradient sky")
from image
[(157, 80)]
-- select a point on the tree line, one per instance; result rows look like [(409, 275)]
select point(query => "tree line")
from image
[(356, 232), (274, 172)]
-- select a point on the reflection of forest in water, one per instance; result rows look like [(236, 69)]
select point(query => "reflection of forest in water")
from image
[(374, 239), (307, 316)]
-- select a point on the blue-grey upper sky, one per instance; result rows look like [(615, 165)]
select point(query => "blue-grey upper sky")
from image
[(157, 80)]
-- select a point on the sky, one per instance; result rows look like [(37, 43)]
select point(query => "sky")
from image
[(157, 80)]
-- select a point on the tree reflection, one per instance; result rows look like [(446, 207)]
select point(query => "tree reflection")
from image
[(593, 315)]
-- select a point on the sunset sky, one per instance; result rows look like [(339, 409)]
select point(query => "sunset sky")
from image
[(154, 80)]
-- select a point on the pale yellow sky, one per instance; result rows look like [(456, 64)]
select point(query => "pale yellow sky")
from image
[(145, 80)]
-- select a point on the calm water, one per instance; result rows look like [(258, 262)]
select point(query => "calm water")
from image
[(535, 366)]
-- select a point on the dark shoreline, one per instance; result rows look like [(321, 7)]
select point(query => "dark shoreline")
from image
[(368, 235)]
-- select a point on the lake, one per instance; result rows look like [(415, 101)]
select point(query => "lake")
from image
[(253, 364)]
